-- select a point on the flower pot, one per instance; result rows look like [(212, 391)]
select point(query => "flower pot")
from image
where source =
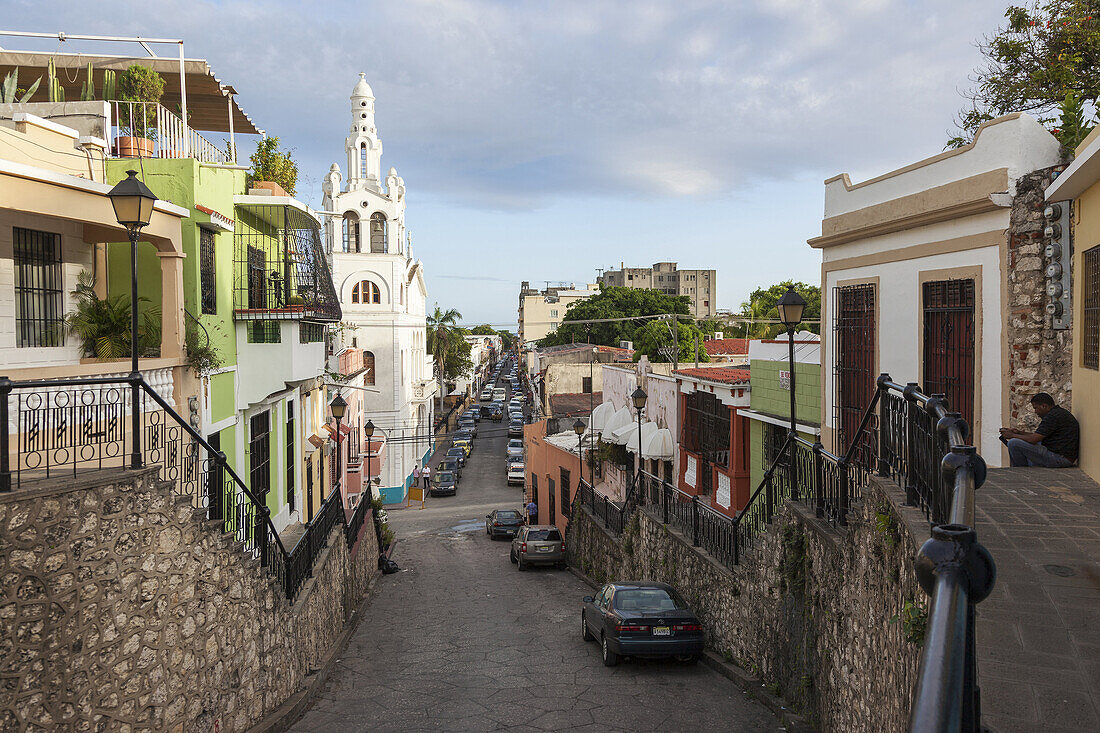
[(274, 188), (134, 147)]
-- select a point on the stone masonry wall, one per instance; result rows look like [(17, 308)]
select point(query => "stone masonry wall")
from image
[(1039, 358), (830, 621), (122, 608)]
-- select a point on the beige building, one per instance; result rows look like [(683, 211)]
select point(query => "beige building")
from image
[(542, 311), (700, 286)]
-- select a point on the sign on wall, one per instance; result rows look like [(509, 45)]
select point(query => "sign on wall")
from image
[(722, 494), (689, 472), (785, 380)]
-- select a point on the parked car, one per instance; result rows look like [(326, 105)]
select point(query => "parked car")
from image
[(467, 424), (450, 464), (487, 393), (473, 413), (503, 523), (515, 474), (641, 619), (444, 483), (500, 394), (538, 545), (465, 444), (515, 429), (515, 447), (458, 453)]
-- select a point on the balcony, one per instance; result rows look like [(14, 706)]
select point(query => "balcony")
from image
[(279, 267), (144, 130)]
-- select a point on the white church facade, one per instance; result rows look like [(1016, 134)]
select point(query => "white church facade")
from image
[(383, 297)]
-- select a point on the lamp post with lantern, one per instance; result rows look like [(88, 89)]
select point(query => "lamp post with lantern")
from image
[(578, 428), (133, 204), (339, 408), (791, 306), (638, 397), (368, 430)]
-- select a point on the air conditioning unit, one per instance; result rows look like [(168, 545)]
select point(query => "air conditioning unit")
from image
[(626, 345), (718, 335)]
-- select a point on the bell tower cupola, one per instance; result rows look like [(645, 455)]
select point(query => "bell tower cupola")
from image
[(364, 148)]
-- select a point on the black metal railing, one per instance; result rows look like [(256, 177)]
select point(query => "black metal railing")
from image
[(66, 427)]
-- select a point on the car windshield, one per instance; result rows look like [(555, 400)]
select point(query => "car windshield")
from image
[(508, 516), (455, 450), (546, 535), (517, 443), (444, 476), (647, 599)]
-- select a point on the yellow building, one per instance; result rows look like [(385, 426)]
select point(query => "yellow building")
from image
[(542, 311), (1080, 182)]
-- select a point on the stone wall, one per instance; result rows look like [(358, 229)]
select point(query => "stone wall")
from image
[(828, 620), (124, 609), (1039, 357)]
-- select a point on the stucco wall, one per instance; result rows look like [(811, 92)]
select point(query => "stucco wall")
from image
[(1086, 381), (123, 609), (817, 615)]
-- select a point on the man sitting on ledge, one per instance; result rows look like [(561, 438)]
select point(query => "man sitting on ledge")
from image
[(1054, 444)]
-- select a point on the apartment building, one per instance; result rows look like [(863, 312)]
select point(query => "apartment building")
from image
[(700, 286), (542, 311)]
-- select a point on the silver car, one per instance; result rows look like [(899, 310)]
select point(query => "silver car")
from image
[(538, 545), (515, 448)]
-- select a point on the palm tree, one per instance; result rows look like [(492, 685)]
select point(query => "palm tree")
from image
[(441, 327)]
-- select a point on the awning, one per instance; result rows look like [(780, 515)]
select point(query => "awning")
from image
[(648, 430), (659, 445), (617, 427), (603, 412)]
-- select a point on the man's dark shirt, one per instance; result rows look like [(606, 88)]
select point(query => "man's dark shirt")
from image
[(1061, 433)]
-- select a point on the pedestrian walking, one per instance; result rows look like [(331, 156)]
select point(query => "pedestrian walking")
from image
[(416, 475), (426, 474), (532, 513)]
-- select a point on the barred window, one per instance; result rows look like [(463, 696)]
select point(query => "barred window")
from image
[(263, 332), (564, 492), (311, 333), (774, 439), (38, 294), (259, 453), (207, 271), (1090, 312)]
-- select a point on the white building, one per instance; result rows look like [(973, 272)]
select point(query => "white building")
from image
[(382, 294), (927, 275)]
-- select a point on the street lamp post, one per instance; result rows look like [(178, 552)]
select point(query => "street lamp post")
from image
[(578, 428), (791, 307), (368, 430), (638, 397), (133, 204), (339, 408)]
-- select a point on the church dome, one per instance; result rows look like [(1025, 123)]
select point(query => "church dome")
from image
[(362, 88)]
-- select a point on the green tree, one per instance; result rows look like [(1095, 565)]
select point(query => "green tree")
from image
[(441, 327), (1046, 61), (614, 303), (654, 339), (761, 306), (271, 164)]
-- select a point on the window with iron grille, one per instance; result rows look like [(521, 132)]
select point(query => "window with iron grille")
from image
[(550, 501), (290, 455), (259, 453), (207, 272), (707, 428), (949, 343), (774, 439), (1090, 312), (854, 369), (263, 332), (534, 489), (586, 385), (38, 288), (311, 333), (564, 484)]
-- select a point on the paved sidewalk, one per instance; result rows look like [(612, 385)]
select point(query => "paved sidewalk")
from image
[(1039, 631)]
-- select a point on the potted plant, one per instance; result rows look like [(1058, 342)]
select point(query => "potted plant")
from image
[(142, 88), (103, 324), (273, 169)]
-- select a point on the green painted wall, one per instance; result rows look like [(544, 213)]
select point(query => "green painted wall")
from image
[(186, 183), (768, 397), (223, 398)]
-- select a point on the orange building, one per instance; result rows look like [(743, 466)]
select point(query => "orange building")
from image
[(552, 468)]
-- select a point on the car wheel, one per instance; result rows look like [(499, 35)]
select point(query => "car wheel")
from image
[(585, 633), (563, 565), (512, 557), (610, 658), (687, 658)]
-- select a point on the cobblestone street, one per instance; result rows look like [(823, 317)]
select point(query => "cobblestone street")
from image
[(459, 640)]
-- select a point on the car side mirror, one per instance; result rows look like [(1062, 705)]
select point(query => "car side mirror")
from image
[(587, 599)]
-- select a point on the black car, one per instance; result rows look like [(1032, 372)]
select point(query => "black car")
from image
[(503, 523), (641, 619), (467, 425), (458, 453), (443, 484), (450, 464), (473, 413), (515, 429)]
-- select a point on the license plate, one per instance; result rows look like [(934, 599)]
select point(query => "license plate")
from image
[(545, 549), (662, 631)]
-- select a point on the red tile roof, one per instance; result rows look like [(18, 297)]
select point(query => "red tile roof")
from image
[(574, 404), (726, 375), (727, 346)]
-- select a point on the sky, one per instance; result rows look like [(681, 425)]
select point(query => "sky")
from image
[(540, 141)]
